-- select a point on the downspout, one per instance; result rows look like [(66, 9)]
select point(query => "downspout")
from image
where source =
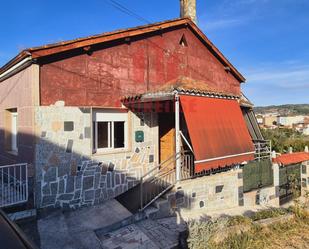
[(177, 138)]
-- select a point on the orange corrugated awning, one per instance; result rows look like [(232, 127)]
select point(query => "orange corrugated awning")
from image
[(218, 132)]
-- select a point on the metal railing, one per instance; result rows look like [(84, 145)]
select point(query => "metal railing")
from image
[(262, 149), (158, 181), (13, 184), (187, 167)]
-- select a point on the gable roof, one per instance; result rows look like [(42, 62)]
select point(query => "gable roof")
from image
[(41, 51), (293, 158)]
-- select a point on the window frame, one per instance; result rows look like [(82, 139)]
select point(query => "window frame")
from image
[(14, 135), (109, 116)]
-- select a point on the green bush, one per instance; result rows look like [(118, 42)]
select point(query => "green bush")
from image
[(269, 213)]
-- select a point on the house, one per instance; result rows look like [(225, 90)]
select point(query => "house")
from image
[(94, 117), (288, 121), (270, 120)]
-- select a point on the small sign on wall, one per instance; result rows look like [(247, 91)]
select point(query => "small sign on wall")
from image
[(139, 136)]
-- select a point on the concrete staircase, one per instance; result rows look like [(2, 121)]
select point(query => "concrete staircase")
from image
[(152, 186)]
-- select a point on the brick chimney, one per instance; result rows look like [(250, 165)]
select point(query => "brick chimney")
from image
[(188, 9)]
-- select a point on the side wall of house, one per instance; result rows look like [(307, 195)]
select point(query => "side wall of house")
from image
[(19, 92), (124, 68), (69, 175), (215, 193)]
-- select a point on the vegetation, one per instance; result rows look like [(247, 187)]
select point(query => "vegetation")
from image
[(302, 109), (240, 232), (282, 139), (268, 213), (245, 233)]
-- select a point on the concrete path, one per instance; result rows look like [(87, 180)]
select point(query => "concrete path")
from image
[(75, 229)]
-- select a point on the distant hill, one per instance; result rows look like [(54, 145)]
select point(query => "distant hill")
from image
[(288, 109)]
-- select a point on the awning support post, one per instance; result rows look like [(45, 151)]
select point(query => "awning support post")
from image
[(177, 136)]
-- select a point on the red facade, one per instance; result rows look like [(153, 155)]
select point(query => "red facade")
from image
[(124, 68)]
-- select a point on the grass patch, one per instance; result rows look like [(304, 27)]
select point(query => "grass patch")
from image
[(268, 213), (289, 234)]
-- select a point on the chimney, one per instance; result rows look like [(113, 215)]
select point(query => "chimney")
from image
[(188, 9)]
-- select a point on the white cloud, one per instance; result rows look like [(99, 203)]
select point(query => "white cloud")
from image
[(223, 23), (285, 75)]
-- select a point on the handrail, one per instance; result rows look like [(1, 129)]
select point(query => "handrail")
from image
[(12, 165), (163, 180), (158, 166)]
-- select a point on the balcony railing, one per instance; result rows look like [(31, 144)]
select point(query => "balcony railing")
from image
[(13, 184), (262, 152), (262, 149)]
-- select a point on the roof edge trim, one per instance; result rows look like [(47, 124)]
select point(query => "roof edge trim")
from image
[(18, 65)]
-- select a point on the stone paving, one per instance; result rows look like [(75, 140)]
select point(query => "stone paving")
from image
[(129, 237), (146, 234), (79, 230), (74, 229)]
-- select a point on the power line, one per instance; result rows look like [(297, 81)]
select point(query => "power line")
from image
[(127, 11)]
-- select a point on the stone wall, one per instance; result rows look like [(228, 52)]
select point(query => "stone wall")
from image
[(218, 192), (208, 193), (305, 178), (68, 174)]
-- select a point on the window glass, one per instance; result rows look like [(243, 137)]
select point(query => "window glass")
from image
[(109, 130), (119, 135), (103, 135)]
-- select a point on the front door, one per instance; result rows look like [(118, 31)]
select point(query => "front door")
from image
[(167, 138)]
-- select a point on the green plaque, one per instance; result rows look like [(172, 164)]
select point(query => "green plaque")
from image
[(139, 136)]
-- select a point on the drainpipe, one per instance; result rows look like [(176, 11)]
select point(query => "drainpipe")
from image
[(177, 137)]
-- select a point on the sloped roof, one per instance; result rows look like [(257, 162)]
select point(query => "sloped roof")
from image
[(41, 51), (181, 85), (245, 102), (293, 158)]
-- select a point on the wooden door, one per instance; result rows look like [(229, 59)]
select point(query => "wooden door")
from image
[(167, 136)]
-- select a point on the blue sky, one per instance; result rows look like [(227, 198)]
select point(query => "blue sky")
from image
[(267, 40)]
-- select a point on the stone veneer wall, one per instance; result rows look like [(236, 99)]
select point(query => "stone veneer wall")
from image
[(305, 178), (209, 193), (218, 192), (68, 175)]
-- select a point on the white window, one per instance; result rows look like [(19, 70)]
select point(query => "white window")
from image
[(14, 119), (110, 130)]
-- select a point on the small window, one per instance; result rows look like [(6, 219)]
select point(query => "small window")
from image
[(109, 130), (183, 41)]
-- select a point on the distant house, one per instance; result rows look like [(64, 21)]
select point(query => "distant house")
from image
[(289, 121), (270, 120), (93, 116)]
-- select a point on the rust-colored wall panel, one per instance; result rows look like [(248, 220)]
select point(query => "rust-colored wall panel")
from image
[(109, 73)]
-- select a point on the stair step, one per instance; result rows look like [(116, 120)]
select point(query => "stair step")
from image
[(160, 235), (151, 212)]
